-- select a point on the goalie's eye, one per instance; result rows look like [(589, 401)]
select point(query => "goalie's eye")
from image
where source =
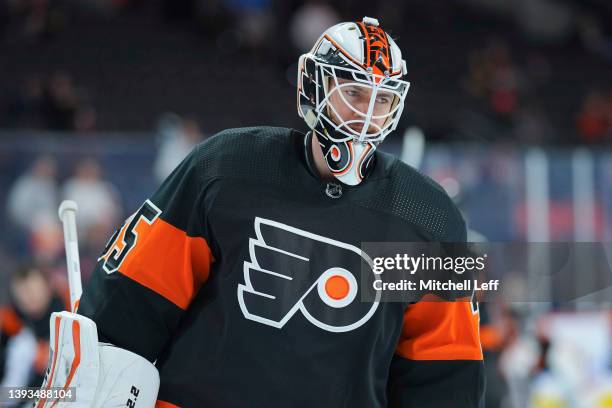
[(353, 92), (383, 99)]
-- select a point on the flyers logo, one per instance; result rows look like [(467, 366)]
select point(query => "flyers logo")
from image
[(293, 270)]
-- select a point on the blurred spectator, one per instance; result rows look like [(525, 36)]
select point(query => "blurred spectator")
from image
[(60, 102), (32, 208), (55, 103), (510, 95), (493, 76), (573, 365), (46, 242), (176, 139), (498, 329), (20, 354), (503, 81), (594, 119), (25, 322), (33, 198), (309, 21), (98, 201), (63, 103)]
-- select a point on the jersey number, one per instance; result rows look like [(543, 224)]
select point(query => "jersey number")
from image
[(125, 238)]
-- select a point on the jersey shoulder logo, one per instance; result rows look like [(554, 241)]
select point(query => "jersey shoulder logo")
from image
[(294, 270), (126, 237)]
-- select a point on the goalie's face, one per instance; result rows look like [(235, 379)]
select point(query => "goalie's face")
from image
[(357, 112), (350, 102)]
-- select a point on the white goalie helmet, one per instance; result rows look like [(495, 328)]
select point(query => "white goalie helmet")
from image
[(351, 94)]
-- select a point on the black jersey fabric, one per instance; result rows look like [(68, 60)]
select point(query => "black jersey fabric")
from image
[(217, 278)]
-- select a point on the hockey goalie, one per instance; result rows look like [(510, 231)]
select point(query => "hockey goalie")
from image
[(239, 282)]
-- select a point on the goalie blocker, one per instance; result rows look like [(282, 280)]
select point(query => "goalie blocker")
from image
[(101, 374)]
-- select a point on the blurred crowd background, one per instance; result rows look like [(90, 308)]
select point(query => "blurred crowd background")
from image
[(510, 110)]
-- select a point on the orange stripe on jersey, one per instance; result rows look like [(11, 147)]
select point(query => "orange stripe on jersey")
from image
[(10, 323), (167, 261), (164, 404), (440, 331)]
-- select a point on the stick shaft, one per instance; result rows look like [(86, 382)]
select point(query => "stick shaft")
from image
[(67, 213)]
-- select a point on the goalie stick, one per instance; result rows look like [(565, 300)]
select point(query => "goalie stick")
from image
[(67, 214)]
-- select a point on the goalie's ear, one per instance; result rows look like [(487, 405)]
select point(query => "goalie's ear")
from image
[(87, 373)]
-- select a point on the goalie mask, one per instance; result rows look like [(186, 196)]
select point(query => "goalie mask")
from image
[(351, 95)]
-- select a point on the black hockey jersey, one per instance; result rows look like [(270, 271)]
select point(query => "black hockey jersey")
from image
[(239, 276)]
